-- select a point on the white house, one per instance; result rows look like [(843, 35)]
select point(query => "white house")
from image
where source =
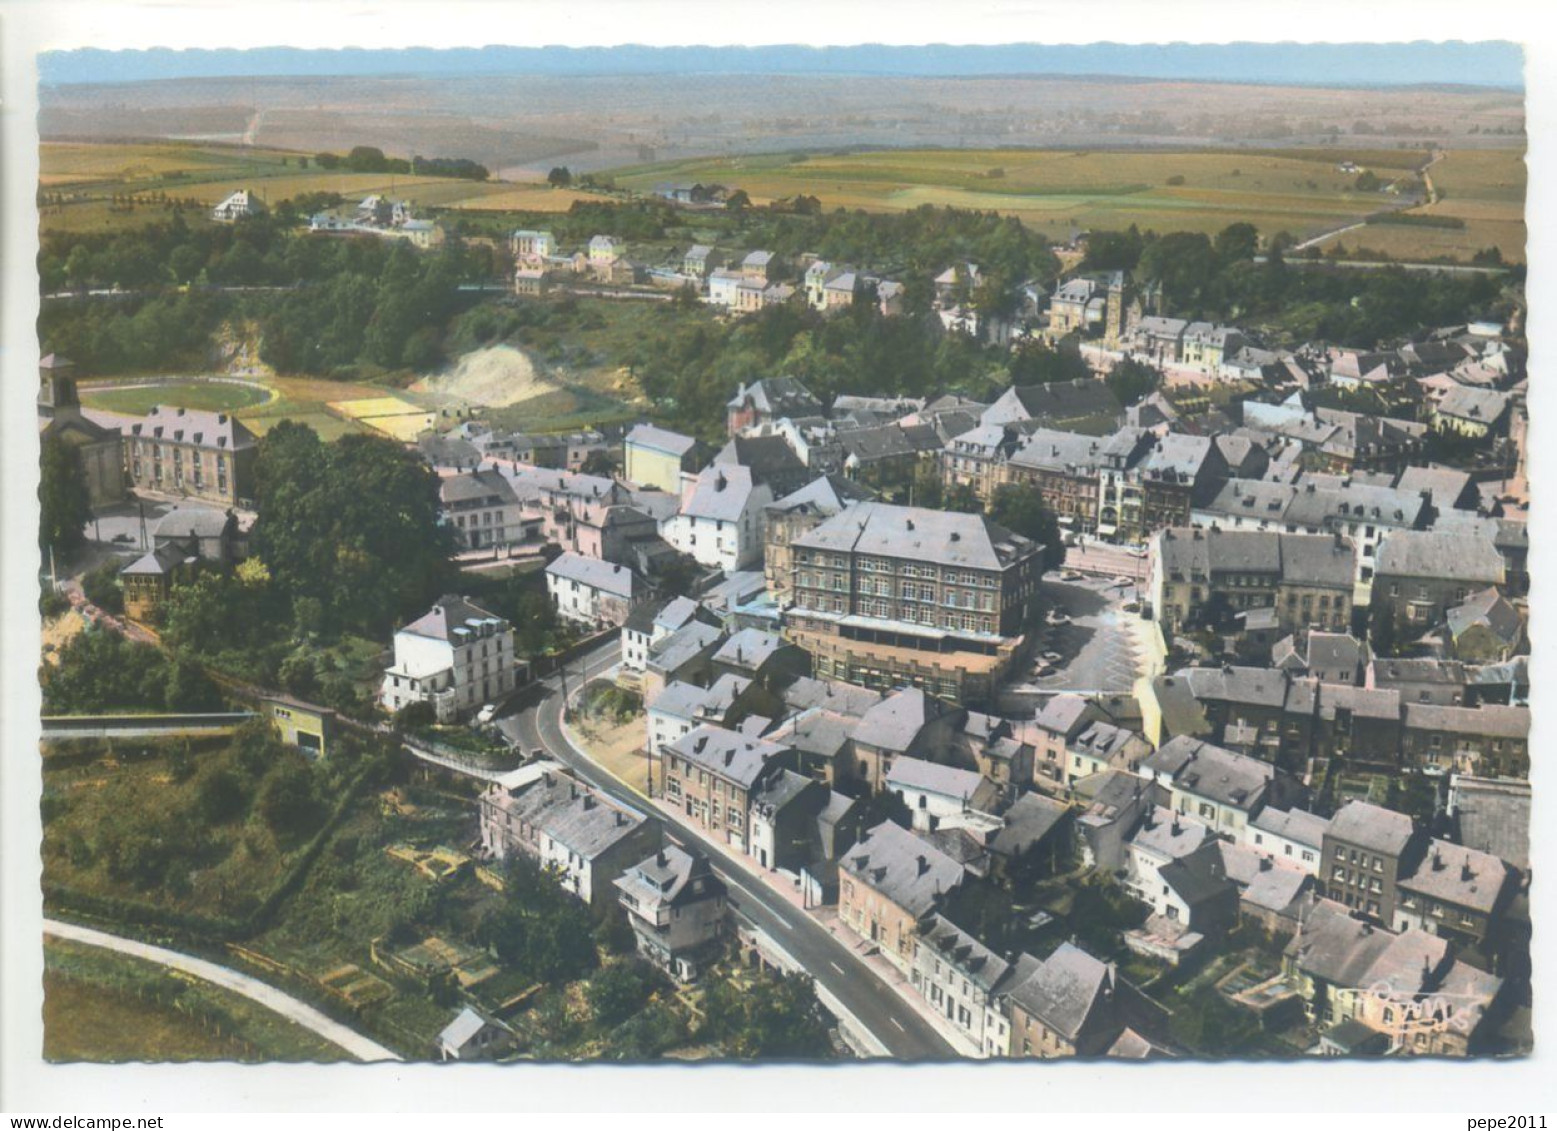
[(457, 656), (720, 522), (528, 245), (1163, 836), (1292, 835), (238, 206), (724, 287), (932, 791), (649, 624), (591, 591), (470, 1036)]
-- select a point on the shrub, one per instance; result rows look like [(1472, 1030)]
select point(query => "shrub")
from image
[(619, 991)]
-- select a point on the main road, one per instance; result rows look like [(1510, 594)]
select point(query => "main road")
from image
[(837, 969)]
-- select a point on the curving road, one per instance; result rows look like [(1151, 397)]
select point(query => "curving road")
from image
[(252, 988), (858, 989)]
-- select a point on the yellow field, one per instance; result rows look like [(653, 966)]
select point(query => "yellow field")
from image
[(517, 198), (1483, 187), (389, 415), (71, 163)]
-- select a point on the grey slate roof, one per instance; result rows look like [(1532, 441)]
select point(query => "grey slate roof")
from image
[(1031, 818), (1296, 825), (1439, 555), (896, 721), (1490, 720), (604, 576), (1372, 827), (825, 495), (581, 819), (905, 869), (749, 648), (448, 616), (1464, 877), (1209, 771), (682, 645), (933, 777), (1065, 989), (720, 492), (1164, 833), (217, 430), (729, 754), (660, 440), (958, 948), (942, 537)]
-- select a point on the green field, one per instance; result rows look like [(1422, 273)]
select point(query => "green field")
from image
[(1299, 191), (103, 1007)]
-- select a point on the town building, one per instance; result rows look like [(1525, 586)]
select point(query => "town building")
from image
[(961, 978), (1457, 893), (1421, 575), (1208, 576), (797, 513), (1072, 1004), (189, 453), (1367, 849), (98, 450), (238, 206), (656, 457), (484, 511), (677, 909), (584, 837), (890, 880), (306, 726), (767, 401), (886, 596), (456, 656), (720, 520), (592, 592), (711, 774)]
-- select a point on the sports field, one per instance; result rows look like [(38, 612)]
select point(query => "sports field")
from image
[(1301, 191)]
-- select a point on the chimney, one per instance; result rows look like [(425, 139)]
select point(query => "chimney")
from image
[(910, 524), (621, 818), (659, 858), (1466, 875), (589, 801), (573, 790), (924, 866), (1266, 864), (1437, 860), (702, 741)]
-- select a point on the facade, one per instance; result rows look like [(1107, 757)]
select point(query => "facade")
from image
[(1200, 576), (1455, 892), (1367, 849), (239, 206), (676, 906), (189, 453), (1421, 575), (799, 513), (720, 520), (310, 728), (1072, 1004), (456, 656), (961, 978), (889, 881), (149, 579), (767, 401), (886, 596), (483, 510), (711, 773)]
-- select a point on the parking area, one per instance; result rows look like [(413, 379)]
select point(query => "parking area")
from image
[(1096, 645)]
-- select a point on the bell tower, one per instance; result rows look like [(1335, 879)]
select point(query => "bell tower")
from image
[(57, 395)]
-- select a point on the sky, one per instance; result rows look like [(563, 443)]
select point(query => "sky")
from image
[(1488, 64)]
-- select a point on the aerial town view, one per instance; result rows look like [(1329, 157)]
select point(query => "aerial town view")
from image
[(788, 563)]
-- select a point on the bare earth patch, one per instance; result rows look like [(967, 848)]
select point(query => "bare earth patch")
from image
[(492, 377)]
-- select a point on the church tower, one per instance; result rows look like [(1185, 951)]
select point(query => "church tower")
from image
[(57, 396)]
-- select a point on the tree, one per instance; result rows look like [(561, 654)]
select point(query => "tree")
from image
[(288, 798), (220, 796), (559, 177), (1035, 363), (774, 1016), (62, 491), (1184, 263), (1131, 380), (737, 201), (598, 463), (101, 586), (415, 715), (1024, 512), (1237, 242), (620, 990)]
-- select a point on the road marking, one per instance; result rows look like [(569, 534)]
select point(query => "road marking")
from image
[(836, 967), (896, 1022)]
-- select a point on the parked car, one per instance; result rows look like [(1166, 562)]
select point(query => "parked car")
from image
[(1132, 607), (1052, 657), (484, 715), (1070, 575), (1123, 580), (1054, 616), (1045, 672)]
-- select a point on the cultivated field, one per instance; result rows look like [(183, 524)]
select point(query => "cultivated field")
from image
[(95, 179), (1301, 191), (1484, 188)]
